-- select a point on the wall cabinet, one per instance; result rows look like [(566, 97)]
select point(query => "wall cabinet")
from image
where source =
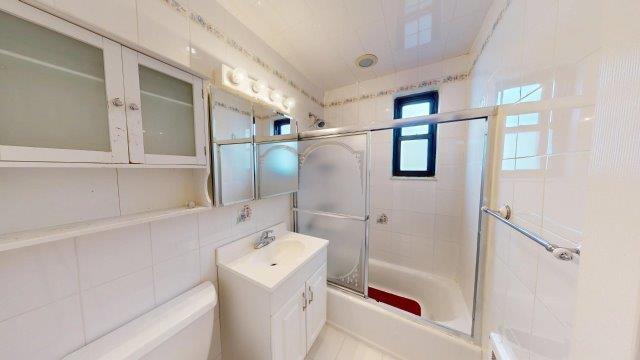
[(70, 95)]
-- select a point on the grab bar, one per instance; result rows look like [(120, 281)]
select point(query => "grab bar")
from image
[(504, 214), (333, 215)]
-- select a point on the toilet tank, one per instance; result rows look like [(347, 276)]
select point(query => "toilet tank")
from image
[(179, 329)]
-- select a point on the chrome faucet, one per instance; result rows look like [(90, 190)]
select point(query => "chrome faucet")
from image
[(266, 238)]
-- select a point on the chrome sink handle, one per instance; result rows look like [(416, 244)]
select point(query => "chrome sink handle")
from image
[(266, 238)]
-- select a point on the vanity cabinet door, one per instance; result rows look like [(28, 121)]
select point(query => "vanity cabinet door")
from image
[(61, 91), (316, 312), (288, 334), (165, 112)]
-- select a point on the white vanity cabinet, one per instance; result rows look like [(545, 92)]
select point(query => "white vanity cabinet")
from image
[(68, 95), (297, 324), (273, 301)]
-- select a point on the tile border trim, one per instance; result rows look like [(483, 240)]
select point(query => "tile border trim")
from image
[(391, 91), (232, 43)]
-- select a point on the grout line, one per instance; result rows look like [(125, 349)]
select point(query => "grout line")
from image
[(82, 319)]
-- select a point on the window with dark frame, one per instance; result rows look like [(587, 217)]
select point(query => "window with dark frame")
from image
[(282, 127), (414, 147)]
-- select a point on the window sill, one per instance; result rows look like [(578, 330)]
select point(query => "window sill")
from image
[(414, 178)]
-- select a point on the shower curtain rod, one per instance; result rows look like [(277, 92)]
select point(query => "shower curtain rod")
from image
[(469, 114)]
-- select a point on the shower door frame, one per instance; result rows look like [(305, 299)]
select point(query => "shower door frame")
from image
[(490, 116), (366, 219)]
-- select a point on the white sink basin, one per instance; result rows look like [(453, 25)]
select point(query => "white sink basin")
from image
[(277, 253), (272, 264)]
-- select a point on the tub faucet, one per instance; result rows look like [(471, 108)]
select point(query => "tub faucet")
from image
[(266, 238)]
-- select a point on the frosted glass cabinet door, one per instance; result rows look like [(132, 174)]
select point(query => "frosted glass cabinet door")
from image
[(165, 112), (236, 173), (61, 91), (277, 168)]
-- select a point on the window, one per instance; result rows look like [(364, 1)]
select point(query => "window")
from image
[(414, 147), (282, 127)]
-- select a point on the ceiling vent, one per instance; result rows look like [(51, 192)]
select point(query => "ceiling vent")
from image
[(366, 60)]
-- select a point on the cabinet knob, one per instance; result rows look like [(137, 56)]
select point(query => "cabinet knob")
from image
[(134, 106), (117, 102)]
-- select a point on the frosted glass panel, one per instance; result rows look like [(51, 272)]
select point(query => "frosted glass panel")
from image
[(278, 168), (333, 175), (236, 173), (413, 155), (167, 114), (52, 89), (345, 255)]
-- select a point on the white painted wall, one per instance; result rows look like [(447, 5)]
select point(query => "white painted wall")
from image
[(542, 163)]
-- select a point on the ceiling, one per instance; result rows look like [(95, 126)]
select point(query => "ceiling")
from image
[(322, 38)]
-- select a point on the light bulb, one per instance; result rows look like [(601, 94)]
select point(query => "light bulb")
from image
[(275, 96), (289, 103), (237, 76), (258, 86)]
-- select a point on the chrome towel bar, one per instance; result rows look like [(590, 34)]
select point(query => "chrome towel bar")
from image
[(504, 214)]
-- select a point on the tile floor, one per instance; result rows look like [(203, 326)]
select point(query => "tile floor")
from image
[(334, 344)]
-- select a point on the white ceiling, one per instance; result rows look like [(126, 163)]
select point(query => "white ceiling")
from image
[(322, 38)]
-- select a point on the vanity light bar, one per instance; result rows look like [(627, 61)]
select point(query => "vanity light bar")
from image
[(238, 81)]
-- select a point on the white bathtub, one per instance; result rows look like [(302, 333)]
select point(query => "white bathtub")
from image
[(395, 332), (440, 298)]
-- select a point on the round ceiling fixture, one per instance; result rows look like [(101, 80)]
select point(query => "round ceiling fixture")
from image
[(366, 60)]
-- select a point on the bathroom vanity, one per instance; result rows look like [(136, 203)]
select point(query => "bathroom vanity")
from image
[(272, 299)]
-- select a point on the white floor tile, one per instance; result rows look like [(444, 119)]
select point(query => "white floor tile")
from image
[(327, 344), (334, 344)]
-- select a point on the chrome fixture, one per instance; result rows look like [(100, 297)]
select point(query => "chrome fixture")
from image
[(117, 102), (382, 219), (134, 106), (317, 123), (266, 238), (244, 214), (504, 214)]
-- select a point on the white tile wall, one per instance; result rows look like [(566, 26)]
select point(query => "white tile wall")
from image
[(424, 215), (59, 296), (552, 46), (453, 95)]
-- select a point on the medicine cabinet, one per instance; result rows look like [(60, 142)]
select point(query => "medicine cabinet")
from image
[(255, 152), (72, 96)]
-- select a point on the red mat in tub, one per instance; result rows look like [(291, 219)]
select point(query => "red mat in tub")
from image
[(396, 301)]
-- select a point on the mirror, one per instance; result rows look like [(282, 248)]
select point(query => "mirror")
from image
[(254, 150), (273, 125), (231, 118)]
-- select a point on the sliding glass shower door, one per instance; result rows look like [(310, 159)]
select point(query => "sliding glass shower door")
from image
[(332, 203)]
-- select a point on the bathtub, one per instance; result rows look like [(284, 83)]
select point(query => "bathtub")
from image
[(440, 298), (395, 332)]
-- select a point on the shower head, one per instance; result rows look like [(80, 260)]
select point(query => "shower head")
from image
[(317, 122)]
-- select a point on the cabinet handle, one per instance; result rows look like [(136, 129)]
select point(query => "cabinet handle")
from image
[(304, 304), (134, 106), (117, 102), (311, 295)]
